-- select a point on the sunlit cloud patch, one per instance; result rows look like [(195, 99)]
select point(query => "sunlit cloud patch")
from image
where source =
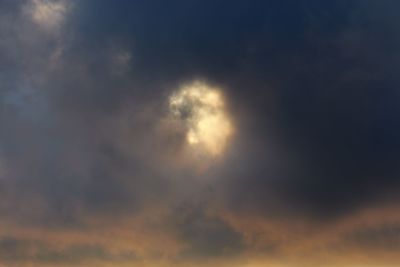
[(202, 110)]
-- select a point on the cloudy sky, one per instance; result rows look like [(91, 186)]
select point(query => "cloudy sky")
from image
[(190, 133)]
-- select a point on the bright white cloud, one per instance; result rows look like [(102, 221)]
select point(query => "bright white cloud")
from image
[(202, 109)]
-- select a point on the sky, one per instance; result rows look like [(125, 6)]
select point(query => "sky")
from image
[(186, 133)]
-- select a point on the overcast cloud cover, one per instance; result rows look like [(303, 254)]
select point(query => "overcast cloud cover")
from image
[(94, 172)]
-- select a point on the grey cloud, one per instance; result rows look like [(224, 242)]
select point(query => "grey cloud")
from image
[(206, 236), (14, 250), (380, 237)]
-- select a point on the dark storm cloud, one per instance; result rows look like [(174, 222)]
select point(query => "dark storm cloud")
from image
[(344, 114), (331, 68)]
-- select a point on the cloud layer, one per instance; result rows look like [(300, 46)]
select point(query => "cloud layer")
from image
[(93, 171)]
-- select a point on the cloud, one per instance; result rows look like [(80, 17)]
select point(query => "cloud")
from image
[(49, 14), (206, 236), (92, 171), (25, 251), (382, 237)]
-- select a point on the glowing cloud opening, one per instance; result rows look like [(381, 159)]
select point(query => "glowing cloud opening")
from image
[(201, 108)]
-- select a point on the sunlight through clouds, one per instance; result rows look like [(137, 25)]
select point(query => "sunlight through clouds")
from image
[(201, 108)]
